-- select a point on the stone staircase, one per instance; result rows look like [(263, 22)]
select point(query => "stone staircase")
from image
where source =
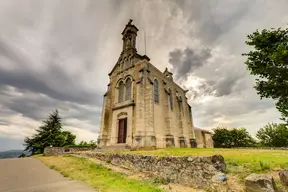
[(113, 148)]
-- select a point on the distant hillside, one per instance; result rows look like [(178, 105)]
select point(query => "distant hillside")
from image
[(12, 154)]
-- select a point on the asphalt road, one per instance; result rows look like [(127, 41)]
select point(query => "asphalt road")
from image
[(30, 175)]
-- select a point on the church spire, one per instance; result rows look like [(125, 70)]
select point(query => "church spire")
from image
[(129, 37)]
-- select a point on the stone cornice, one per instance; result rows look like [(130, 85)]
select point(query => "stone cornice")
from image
[(123, 104)]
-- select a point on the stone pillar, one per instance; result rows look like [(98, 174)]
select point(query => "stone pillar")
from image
[(103, 135), (150, 139), (192, 138), (167, 113), (180, 111), (138, 140)]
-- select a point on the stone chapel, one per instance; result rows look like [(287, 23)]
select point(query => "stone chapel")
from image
[(144, 107)]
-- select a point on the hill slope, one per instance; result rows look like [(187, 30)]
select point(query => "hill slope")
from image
[(12, 153)]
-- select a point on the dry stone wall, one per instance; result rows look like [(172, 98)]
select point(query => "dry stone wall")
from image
[(263, 148), (190, 171), (202, 172), (61, 150)]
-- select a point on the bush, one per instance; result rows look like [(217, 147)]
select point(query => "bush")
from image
[(83, 144)]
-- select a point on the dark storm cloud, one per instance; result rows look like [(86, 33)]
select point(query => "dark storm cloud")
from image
[(38, 83), (54, 82), (235, 106), (8, 52), (2, 122), (187, 60), (74, 111), (210, 23), (38, 107), (225, 84)]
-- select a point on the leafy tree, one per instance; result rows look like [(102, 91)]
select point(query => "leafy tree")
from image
[(49, 134), (273, 135), (83, 143), (228, 138), (69, 138), (91, 143), (222, 138), (269, 61)]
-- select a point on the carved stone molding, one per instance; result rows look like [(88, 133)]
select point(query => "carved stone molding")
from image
[(122, 113)]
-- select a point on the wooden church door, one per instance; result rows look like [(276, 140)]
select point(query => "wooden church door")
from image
[(122, 130)]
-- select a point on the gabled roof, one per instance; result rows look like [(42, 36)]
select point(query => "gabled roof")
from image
[(142, 57), (203, 130)]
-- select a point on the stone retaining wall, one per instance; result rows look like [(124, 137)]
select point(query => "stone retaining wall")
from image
[(62, 150), (265, 148), (191, 171)]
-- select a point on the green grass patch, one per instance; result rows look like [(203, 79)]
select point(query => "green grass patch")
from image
[(97, 176), (240, 162)]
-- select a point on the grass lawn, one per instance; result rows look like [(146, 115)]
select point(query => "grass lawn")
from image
[(97, 176), (239, 161)]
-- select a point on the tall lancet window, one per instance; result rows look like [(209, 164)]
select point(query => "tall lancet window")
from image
[(121, 92), (156, 92), (128, 86), (170, 99), (180, 105)]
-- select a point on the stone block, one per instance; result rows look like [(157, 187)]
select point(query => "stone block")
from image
[(283, 175), (260, 183), (219, 162)]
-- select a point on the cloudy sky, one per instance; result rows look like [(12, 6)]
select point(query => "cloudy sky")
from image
[(58, 53)]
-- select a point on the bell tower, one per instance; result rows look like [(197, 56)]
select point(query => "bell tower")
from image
[(129, 37)]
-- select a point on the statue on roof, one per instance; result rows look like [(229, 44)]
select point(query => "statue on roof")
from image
[(130, 21)]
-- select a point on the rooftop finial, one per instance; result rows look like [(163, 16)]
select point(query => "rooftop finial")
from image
[(130, 21)]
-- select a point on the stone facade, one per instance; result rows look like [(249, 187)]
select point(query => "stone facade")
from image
[(144, 107), (203, 138), (190, 171)]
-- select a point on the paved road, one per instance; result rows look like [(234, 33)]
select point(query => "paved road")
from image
[(30, 175)]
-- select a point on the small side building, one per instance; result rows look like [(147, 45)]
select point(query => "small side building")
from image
[(203, 138)]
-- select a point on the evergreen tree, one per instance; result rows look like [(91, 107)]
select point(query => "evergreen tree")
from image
[(49, 134)]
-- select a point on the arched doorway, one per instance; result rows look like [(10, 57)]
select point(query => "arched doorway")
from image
[(122, 130)]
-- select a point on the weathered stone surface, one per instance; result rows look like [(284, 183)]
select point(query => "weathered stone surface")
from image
[(283, 175), (53, 151), (190, 171), (218, 162), (218, 178), (260, 183), (61, 150)]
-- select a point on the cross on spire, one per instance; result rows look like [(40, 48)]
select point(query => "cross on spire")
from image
[(130, 21)]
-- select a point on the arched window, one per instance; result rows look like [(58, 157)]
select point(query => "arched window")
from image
[(180, 105), (128, 86), (156, 91), (171, 99), (121, 92)]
